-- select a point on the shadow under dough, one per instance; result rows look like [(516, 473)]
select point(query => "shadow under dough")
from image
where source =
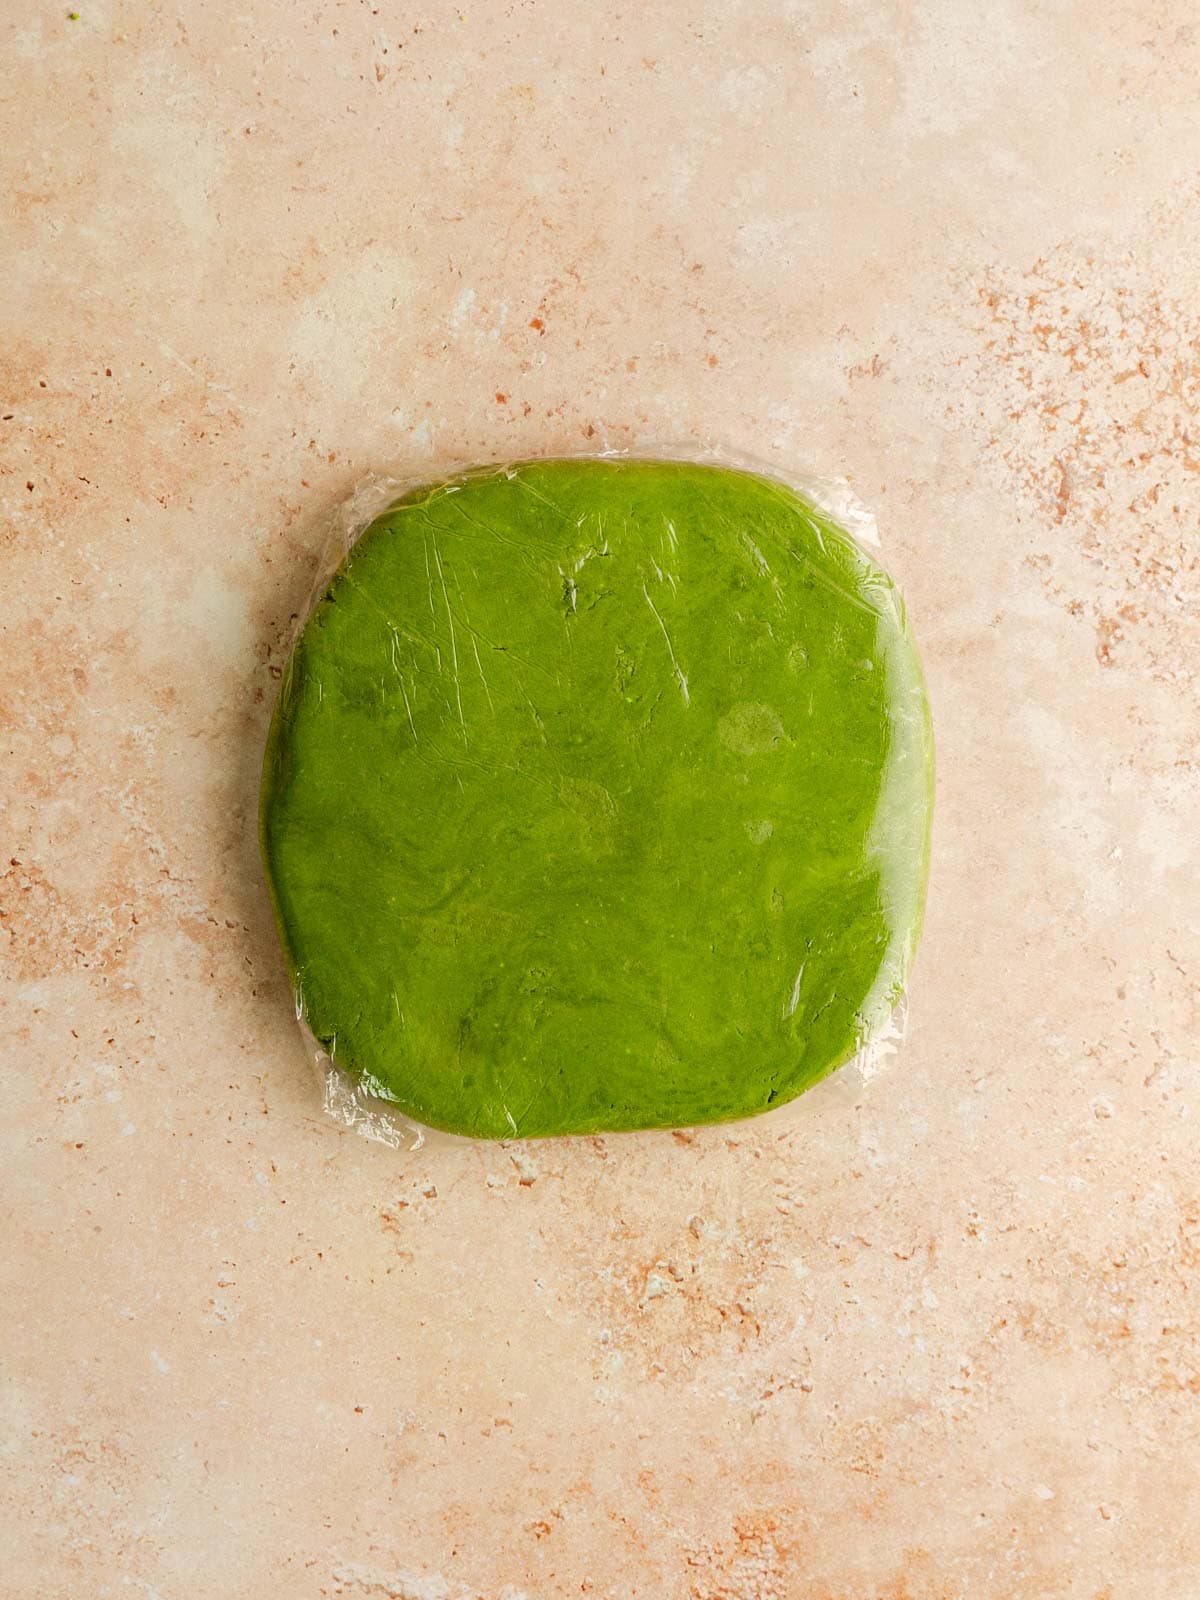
[(280, 612)]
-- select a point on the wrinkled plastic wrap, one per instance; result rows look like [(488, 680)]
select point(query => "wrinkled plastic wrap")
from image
[(356, 1099)]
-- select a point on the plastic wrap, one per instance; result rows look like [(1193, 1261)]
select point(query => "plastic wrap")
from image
[(357, 1099)]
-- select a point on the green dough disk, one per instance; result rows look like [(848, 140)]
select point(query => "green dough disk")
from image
[(598, 796)]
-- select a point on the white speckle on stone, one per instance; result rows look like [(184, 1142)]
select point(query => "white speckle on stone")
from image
[(742, 90), (463, 307), (527, 1171)]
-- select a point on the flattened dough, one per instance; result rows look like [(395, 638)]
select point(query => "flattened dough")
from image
[(597, 797)]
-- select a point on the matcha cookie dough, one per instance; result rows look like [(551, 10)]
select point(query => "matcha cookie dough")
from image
[(597, 797)]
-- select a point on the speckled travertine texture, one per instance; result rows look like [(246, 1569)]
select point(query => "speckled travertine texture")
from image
[(939, 1340)]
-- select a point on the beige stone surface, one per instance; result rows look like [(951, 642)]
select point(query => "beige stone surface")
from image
[(940, 1340)]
